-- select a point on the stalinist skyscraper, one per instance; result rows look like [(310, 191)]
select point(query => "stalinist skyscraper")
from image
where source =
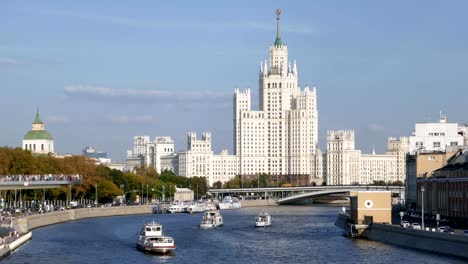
[(281, 137)]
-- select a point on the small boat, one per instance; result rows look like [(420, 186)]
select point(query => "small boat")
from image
[(177, 208), (263, 220), (211, 219), (196, 208), (152, 240), (229, 203)]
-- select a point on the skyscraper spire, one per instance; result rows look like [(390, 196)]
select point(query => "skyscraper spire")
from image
[(278, 37)]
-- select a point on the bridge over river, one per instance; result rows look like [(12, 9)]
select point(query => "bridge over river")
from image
[(292, 195), (25, 182)]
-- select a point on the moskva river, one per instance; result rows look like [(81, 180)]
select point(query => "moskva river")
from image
[(299, 234)]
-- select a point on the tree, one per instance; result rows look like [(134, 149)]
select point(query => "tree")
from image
[(217, 185)]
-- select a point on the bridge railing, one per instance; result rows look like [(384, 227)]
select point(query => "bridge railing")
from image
[(40, 177)]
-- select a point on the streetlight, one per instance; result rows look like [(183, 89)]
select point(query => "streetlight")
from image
[(95, 196), (422, 208), (146, 193), (163, 194)]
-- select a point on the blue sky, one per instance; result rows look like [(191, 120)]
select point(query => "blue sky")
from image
[(104, 71)]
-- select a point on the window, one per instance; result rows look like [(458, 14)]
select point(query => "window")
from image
[(436, 144), (419, 144), (431, 158), (454, 143)]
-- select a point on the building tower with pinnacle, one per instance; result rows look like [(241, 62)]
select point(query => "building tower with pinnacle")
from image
[(281, 137)]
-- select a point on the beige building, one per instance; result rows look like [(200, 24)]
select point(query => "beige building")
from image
[(183, 194), (371, 207), (422, 165)]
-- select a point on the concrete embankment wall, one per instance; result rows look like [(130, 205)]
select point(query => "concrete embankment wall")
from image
[(6, 249), (25, 224), (253, 203), (444, 243)]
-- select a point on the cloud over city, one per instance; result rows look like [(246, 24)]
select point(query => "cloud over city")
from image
[(8, 62), (126, 119), (376, 127), (89, 92)]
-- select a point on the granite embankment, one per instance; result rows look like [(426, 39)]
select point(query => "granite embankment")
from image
[(443, 243), (254, 203), (25, 224)]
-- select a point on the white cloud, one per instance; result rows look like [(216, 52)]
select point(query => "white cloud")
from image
[(57, 119), (125, 119), (144, 96), (8, 62), (376, 127)]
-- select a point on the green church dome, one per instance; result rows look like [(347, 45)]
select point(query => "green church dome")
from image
[(38, 134)]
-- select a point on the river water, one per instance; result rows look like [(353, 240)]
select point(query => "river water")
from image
[(299, 234)]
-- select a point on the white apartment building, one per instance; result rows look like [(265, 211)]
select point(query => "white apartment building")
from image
[(428, 137), (281, 137), (342, 159), (199, 160), (345, 165), (149, 152)]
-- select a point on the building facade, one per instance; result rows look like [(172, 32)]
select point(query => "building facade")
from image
[(422, 165), (344, 165), (38, 140), (446, 191), (281, 137), (432, 137), (343, 160), (149, 153), (90, 152)]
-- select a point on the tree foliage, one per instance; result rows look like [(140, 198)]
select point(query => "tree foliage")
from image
[(145, 181)]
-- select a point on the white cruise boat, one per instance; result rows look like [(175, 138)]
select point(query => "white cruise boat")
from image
[(229, 203), (211, 219), (152, 240), (263, 220), (177, 208), (196, 208)]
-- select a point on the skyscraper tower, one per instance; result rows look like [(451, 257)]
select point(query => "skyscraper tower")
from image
[(280, 138)]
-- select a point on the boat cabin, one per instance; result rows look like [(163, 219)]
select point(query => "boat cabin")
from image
[(152, 229)]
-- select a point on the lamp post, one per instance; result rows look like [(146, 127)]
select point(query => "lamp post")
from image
[(163, 194), (422, 208), (146, 193), (95, 196)]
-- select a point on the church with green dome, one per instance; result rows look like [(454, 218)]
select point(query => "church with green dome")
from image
[(38, 140)]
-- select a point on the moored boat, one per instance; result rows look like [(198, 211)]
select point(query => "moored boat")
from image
[(196, 208), (229, 203), (152, 240), (177, 208), (211, 219), (263, 220)]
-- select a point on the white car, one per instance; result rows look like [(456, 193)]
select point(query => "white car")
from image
[(405, 224), (416, 226)]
